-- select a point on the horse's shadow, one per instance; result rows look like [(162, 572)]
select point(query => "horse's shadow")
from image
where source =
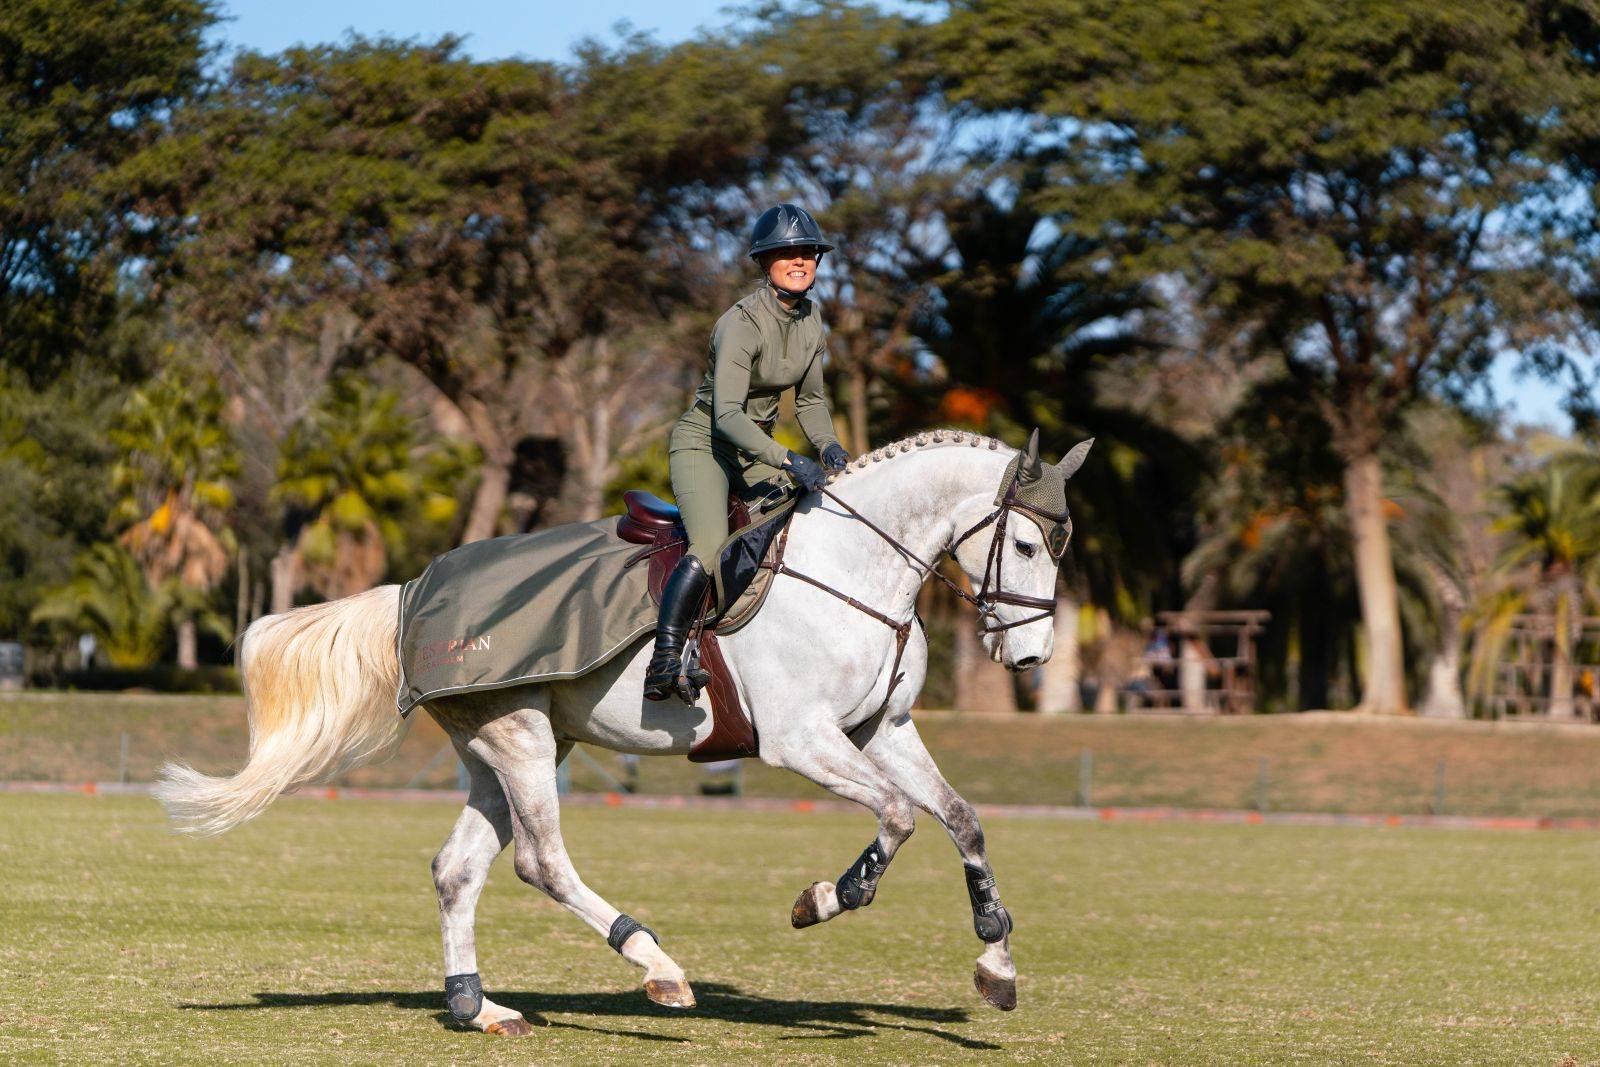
[(833, 1019)]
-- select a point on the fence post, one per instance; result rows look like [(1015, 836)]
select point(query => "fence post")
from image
[(122, 762), (563, 778), (463, 780), (1086, 779), (1262, 783), (1438, 788)]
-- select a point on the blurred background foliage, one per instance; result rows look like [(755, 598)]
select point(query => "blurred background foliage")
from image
[(278, 328)]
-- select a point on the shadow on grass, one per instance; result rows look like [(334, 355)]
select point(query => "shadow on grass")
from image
[(829, 1019)]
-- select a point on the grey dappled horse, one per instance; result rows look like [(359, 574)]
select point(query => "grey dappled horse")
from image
[(828, 685)]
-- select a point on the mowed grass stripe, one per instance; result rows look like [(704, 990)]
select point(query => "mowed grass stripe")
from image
[(310, 936)]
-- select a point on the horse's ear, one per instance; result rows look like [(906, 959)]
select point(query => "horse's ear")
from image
[(1030, 469), (1074, 459)]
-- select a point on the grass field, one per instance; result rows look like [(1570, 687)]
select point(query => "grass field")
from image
[(310, 937), (1322, 762)]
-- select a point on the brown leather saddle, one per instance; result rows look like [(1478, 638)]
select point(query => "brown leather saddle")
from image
[(657, 525)]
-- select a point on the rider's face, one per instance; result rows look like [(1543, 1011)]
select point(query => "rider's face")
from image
[(793, 269)]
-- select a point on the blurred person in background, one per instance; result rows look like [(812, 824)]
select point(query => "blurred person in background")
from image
[(770, 341)]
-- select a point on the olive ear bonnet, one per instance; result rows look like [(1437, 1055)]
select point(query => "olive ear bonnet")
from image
[(1041, 489)]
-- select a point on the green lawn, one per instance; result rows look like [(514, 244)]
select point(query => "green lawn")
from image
[(310, 937)]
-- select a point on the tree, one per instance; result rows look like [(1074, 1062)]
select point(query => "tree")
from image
[(84, 84), (1459, 456), (1275, 534), (356, 469), (54, 497), (877, 162), (480, 221), (110, 596), (1549, 560), (1380, 194), (277, 366), (1022, 327), (174, 472)]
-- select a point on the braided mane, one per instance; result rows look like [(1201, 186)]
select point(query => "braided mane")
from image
[(923, 440)]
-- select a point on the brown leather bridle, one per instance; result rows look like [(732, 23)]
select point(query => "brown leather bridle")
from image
[(986, 598)]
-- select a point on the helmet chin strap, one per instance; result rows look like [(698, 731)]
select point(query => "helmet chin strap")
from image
[(791, 294)]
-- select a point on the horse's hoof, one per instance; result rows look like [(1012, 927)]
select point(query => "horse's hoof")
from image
[(669, 992), (516, 1026), (815, 905), (1001, 992), (807, 910)]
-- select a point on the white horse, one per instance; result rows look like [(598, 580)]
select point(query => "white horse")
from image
[(816, 674)]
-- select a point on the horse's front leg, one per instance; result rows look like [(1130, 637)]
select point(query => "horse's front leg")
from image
[(897, 749), (817, 750)]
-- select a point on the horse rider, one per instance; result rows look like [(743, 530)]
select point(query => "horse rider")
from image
[(770, 341)]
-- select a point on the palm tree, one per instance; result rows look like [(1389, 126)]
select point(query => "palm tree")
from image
[(356, 470), (1550, 559), (110, 597), (1023, 328), (175, 471), (1275, 534)]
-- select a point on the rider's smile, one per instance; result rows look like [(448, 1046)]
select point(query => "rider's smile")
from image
[(789, 272)]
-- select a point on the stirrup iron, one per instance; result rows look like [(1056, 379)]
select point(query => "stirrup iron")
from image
[(692, 678)]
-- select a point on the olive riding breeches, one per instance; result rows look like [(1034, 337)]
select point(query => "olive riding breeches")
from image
[(704, 471)]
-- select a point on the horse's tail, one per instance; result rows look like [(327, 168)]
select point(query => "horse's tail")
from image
[(319, 683)]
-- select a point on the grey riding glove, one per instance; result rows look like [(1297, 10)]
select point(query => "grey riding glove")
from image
[(834, 458)]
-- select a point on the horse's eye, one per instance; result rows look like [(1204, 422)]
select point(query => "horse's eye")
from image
[(1026, 549)]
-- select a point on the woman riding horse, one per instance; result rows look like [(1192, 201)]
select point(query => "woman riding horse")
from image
[(770, 341)]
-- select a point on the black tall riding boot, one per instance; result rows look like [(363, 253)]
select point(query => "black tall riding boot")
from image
[(680, 600)]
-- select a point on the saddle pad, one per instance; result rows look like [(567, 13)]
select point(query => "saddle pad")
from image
[(525, 608), (745, 567)]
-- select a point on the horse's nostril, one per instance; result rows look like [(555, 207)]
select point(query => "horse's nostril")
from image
[(1026, 662)]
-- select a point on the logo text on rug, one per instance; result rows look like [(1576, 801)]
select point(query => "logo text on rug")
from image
[(451, 650)]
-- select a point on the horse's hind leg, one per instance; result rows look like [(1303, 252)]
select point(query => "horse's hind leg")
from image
[(459, 872), (822, 753), (896, 747), (523, 750)]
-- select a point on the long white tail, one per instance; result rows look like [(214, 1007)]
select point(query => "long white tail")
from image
[(319, 683)]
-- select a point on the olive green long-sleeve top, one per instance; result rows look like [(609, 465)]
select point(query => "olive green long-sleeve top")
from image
[(759, 348)]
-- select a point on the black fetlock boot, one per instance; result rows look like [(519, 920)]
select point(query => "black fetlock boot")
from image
[(680, 600)]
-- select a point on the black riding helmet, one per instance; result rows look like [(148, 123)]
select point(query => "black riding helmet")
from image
[(786, 226)]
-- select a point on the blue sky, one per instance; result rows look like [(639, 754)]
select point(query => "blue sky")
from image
[(494, 28), (540, 30)]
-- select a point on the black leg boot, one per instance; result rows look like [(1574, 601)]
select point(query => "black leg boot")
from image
[(680, 600)]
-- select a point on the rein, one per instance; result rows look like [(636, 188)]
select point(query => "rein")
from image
[(984, 601)]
